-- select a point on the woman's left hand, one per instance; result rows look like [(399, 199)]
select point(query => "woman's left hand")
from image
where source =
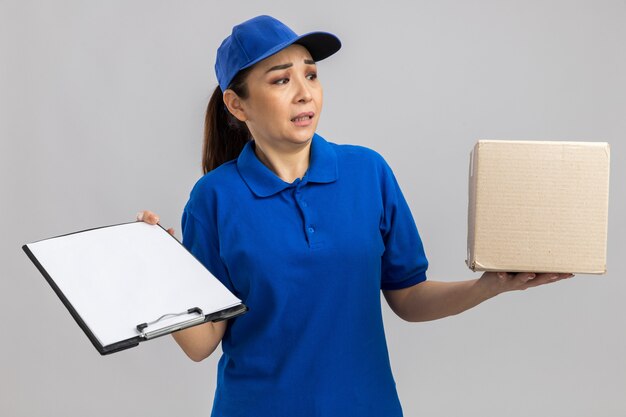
[(512, 281)]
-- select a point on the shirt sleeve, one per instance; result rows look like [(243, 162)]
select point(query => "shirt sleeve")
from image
[(404, 262), (203, 242)]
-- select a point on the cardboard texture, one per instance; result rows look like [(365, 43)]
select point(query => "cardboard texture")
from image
[(538, 206)]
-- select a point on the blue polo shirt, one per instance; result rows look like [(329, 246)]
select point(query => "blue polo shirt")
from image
[(309, 259)]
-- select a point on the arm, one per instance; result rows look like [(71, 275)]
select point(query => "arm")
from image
[(198, 342), (431, 300)]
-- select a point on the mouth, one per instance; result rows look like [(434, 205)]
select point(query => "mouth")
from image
[(303, 117)]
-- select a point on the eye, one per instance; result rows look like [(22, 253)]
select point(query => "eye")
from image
[(281, 81), (312, 75)]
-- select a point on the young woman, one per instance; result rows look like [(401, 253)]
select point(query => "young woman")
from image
[(307, 233)]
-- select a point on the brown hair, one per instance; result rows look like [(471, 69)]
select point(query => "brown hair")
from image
[(224, 135)]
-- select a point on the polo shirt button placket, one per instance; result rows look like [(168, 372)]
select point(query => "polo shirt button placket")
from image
[(310, 228)]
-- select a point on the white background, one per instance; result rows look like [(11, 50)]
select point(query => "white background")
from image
[(101, 115)]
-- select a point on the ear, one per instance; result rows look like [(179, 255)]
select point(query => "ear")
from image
[(234, 105)]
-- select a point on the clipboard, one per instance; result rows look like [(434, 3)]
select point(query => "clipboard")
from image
[(128, 283)]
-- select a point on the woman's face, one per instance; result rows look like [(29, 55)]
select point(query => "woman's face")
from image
[(284, 99)]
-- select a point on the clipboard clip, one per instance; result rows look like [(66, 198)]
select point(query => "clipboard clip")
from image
[(173, 327)]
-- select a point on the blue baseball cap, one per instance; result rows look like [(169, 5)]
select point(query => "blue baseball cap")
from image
[(260, 37)]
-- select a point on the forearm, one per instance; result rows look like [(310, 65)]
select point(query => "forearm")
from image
[(200, 341), (432, 300)]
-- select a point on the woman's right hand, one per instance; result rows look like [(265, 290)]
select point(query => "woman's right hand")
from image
[(151, 218)]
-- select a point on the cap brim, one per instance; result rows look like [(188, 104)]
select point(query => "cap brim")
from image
[(320, 45)]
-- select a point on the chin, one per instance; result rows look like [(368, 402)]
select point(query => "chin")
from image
[(301, 137)]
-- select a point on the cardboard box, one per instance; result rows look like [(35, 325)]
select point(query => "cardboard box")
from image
[(538, 206)]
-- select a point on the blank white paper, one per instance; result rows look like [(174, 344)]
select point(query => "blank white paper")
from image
[(117, 277)]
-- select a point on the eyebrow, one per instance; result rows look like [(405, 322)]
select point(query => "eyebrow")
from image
[(290, 64)]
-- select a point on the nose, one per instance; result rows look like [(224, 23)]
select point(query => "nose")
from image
[(303, 90)]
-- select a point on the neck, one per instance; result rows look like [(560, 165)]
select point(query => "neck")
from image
[(287, 164)]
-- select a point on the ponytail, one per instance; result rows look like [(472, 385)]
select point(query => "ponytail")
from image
[(224, 135)]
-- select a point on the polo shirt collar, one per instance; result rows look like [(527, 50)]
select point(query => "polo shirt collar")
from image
[(264, 183)]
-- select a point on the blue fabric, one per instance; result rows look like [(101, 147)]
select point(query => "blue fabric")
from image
[(309, 260)]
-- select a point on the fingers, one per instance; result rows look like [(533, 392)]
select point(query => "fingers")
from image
[(151, 218), (526, 277), (548, 278), (148, 217), (529, 279), (519, 277), (524, 280)]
